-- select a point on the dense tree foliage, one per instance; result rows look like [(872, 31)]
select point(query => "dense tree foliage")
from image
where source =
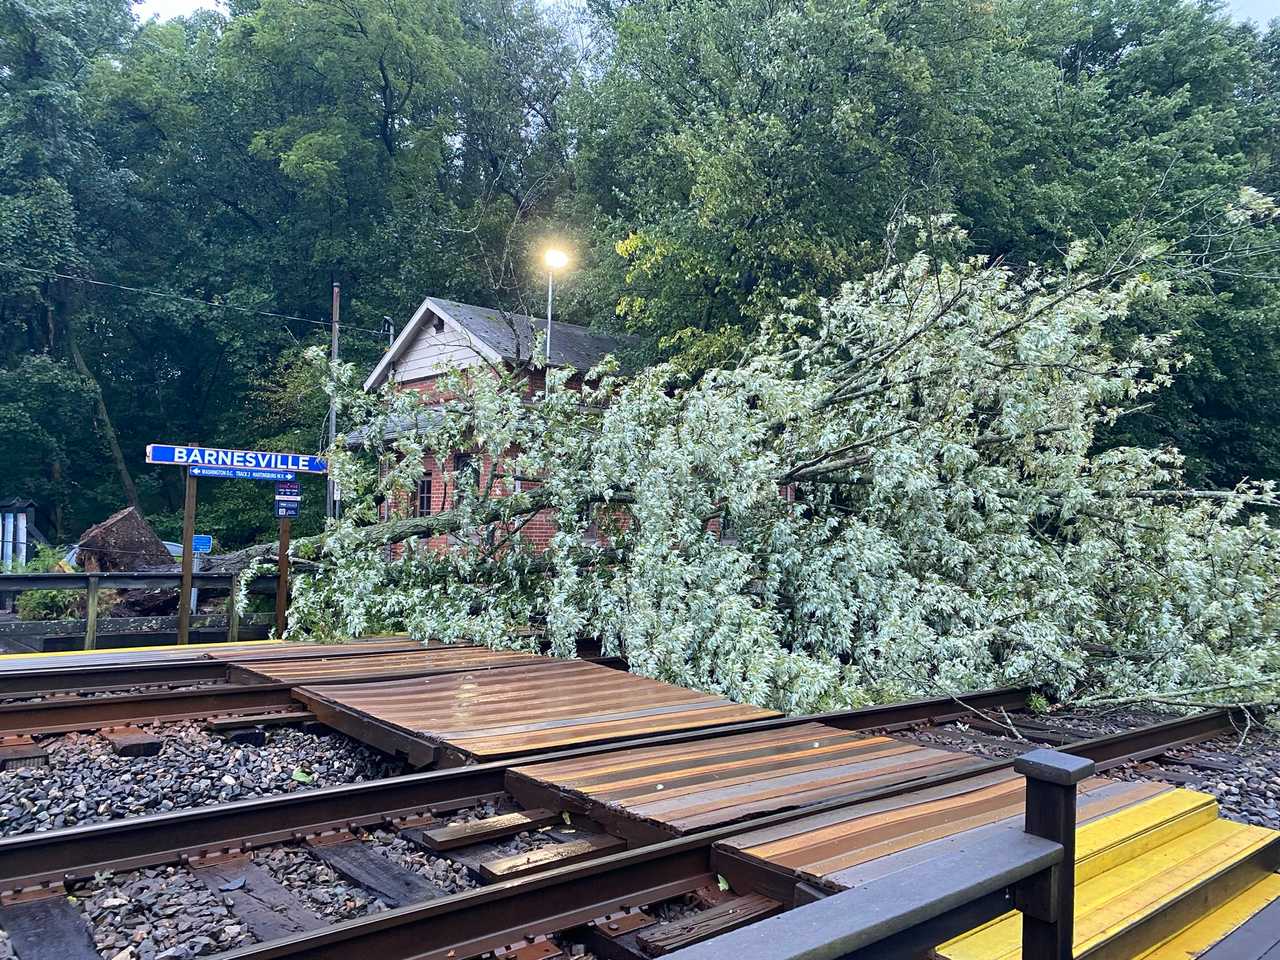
[(909, 493), (707, 160)]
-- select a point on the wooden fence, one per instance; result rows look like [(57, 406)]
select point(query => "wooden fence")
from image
[(36, 633)]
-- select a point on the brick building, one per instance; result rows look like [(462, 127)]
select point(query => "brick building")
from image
[(444, 336)]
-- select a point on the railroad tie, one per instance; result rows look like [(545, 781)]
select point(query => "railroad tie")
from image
[(49, 929), (260, 901), (391, 883)]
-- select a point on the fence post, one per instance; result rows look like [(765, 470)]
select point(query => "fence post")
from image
[(233, 612), (1047, 901), (91, 614)]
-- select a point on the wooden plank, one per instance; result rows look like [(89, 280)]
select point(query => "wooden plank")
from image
[(130, 741), (21, 751), (265, 906), (223, 724), (552, 855), (391, 883), (292, 650), (51, 929), (477, 831), (726, 916), (521, 709), (704, 784), (388, 664)]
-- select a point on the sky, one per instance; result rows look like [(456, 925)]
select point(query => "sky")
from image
[(1259, 11)]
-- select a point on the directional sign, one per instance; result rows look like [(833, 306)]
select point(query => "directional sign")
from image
[(202, 543), (287, 509), (240, 473), (184, 456), (288, 490)]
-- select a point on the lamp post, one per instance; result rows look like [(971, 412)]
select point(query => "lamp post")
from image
[(555, 260)]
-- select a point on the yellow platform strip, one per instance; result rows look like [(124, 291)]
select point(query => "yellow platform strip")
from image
[(1200, 936), (1109, 841), (1141, 875), (1104, 843)]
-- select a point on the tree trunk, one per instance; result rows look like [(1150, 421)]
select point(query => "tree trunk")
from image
[(396, 531), (104, 418)]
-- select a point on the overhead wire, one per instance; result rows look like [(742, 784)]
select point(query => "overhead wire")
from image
[(166, 295)]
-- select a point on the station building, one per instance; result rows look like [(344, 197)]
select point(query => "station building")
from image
[(445, 336)]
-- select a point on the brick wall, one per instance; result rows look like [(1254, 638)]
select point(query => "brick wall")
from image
[(537, 530)]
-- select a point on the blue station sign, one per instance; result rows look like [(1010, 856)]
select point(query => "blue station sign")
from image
[(202, 543), (226, 463), (240, 473)]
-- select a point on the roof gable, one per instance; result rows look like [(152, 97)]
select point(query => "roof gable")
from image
[(503, 336)]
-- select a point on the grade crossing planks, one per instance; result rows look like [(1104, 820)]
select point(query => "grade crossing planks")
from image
[(380, 665), (835, 849), (499, 713), (289, 650), (679, 788)]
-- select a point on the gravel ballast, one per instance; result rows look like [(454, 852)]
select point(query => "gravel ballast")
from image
[(1241, 770), (159, 914), (317, 886), (87, 782)]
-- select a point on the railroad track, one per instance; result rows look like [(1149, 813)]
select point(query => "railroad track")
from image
[(615, 838), (86, 698)]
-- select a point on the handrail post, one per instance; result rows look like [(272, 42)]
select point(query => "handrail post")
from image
[(91, 614), (1047, 900)]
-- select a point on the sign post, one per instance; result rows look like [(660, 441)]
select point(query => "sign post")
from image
[(288, 501), (188, 556), (283, 468), (282, 582)]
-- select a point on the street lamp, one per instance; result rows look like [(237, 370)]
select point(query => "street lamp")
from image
[(554, 259)]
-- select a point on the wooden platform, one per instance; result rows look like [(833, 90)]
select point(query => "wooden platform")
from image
[(461, 717), (827, 849), (652, 792), (293, 651), (377, 664)]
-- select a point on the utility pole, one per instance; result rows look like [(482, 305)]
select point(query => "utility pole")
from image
[(331, 500)]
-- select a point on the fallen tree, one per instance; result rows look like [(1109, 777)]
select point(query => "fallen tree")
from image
[(910, 490)]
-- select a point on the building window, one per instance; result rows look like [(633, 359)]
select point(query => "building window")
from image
[(728, 529), (424, 496), (465, 470)]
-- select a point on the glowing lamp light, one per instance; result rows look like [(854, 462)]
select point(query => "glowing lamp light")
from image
[(555, 259)]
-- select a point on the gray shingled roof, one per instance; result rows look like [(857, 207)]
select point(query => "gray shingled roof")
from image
[(395, 427), (511, 335)]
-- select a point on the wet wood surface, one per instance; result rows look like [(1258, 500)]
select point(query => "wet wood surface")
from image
[(289, 651), (512, 710), (693, 786), (830, 848), (422, 661)]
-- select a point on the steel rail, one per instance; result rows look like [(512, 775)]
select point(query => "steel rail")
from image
[(218, 674), (94, 713), (16, 684), (76, 853), (464, 925)]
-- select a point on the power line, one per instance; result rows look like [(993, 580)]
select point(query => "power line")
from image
[(165, 295)]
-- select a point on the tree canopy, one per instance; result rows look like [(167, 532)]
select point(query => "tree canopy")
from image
[(908, 493), (772, 194), (704, 160)]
